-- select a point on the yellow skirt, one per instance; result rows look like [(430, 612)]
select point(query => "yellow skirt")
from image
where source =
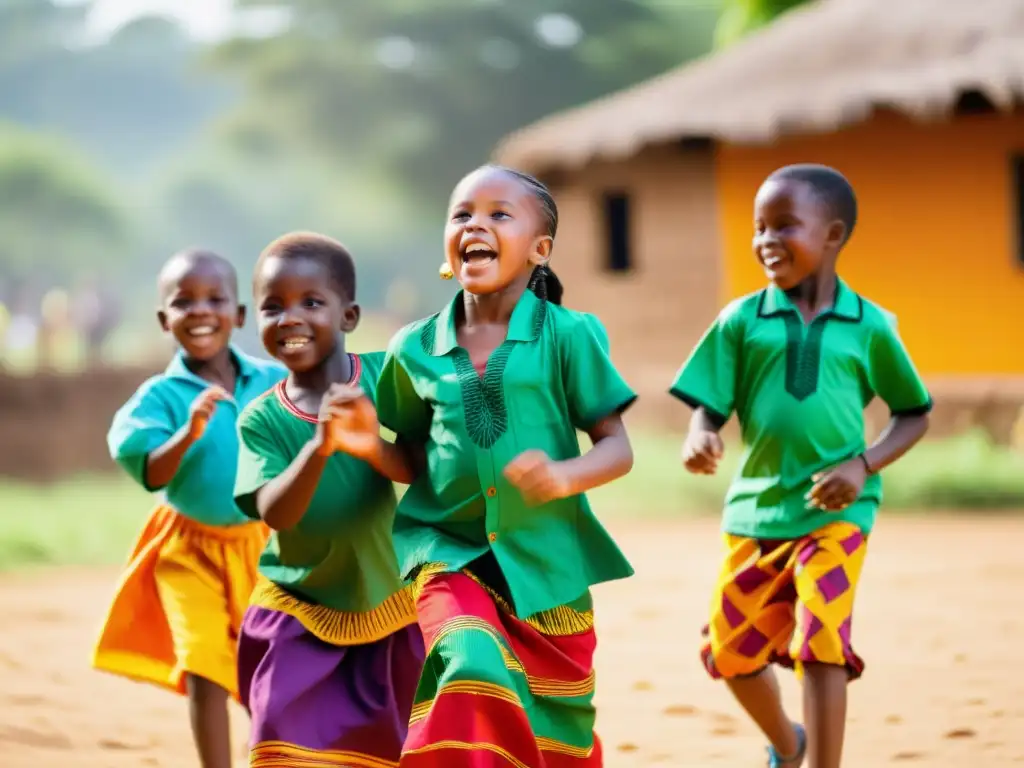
[(179, 605)]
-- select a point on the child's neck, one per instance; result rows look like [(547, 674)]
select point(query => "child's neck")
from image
[(492, 308), (306, 388), (221, 369), (816, 293)]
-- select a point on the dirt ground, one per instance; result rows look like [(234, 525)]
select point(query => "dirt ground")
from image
[(939, 622)]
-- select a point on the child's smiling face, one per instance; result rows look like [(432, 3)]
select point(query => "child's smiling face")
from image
[(301, 311), (793, 232), (494, 235), (199, 306)]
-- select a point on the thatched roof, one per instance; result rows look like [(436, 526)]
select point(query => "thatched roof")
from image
[(816, 69)]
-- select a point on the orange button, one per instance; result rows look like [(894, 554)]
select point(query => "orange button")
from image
[(492, 536), (492, 491)]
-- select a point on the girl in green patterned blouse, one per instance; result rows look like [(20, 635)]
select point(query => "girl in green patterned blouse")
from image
[(496, 528)]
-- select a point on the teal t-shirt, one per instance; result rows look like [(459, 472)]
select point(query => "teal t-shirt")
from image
[(203, 488), (799, 391), (551, 377), (340, 554)]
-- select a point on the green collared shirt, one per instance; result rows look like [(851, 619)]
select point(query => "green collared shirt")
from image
[(549, 378), (799, 390), (340, 553), (203, 487)]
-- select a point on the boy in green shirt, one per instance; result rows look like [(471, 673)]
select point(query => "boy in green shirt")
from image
[(797, 362), (329, 653)]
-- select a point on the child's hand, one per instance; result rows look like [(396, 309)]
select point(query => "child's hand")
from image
[(348, 423), (538, 478), (201, 410), (839, 487), (702, 451)]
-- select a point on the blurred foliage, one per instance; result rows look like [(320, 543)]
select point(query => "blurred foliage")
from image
[(741, 17), (419, 92), (351, 118), (129, 102), (32, 29), (55, 206)]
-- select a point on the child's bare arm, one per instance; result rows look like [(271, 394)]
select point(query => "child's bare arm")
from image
[(540, 479), (283, 501), (162, 464), (703, 421), (902, 434), (703, 447), (839, 487), (394, 461), (609, 459)]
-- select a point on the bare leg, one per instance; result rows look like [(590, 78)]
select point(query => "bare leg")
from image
[(208, 710), (760, 696), (825, 713)]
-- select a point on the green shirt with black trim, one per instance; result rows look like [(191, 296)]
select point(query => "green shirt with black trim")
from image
[(799, 391), (551, 377)]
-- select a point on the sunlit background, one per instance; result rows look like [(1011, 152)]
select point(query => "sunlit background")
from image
[(130, 129)]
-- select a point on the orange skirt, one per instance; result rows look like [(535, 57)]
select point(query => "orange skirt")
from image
[(178, 607)]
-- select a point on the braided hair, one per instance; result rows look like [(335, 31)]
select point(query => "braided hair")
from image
[(543, 281)]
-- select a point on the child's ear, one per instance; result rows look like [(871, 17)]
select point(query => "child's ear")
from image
[(161, 317), (240, 317), (350, 318), (836, 234), (542, 251)]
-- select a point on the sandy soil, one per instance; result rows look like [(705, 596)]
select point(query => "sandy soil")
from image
[(940, 620)]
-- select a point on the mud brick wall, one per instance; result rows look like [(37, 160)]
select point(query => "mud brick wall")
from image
[(54, 425)]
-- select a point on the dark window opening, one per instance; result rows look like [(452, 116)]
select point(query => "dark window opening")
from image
[(696, 144), (973, 102), (617, 232), (1017, 178)]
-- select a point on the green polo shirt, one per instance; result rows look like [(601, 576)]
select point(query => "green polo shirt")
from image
[(340, 554), (550, 377), (202, 488), (799, 391)]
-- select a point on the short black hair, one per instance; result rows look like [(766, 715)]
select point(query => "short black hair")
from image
[(320, 248), (189, 258), (829, 186), (543, 282)]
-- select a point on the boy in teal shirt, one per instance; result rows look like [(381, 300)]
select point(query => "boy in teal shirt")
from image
[(194, 565), (797, 362)]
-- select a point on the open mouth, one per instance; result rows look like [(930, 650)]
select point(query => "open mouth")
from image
[(478, 253), (201, 331), (773, 260), (294, 343)]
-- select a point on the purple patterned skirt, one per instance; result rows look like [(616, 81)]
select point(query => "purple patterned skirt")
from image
[(317, 704)]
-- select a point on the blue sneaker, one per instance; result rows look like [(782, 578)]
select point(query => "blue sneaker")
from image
[(775, 760)]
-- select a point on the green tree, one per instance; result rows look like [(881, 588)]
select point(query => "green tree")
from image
[(129, 102), (740, 17), (58, 213), (420, 90), (29, 28)]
